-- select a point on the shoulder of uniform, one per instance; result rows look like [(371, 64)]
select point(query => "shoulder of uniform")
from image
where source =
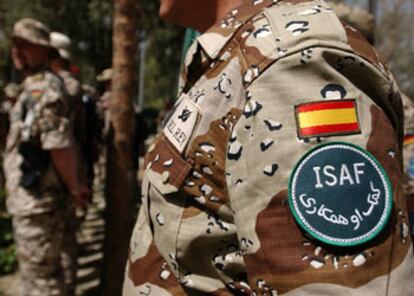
[(51, 76), (34, 78), (291, 27), (66, 74), (53, 80)]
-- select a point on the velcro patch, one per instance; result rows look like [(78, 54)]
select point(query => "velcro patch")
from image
[(327, 118), (181, 124), (340, 194)]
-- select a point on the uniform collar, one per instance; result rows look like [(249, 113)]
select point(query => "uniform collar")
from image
[(37, 75), (208, 46), (214, 39)]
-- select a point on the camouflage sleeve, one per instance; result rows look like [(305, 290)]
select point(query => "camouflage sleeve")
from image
[(73, 87), (352, 102), (55, 117)]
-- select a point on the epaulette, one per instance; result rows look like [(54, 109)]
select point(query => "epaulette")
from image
[(290, 27)]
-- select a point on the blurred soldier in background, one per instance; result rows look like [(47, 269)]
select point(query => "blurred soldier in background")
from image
[(104, 80), (59, 64), (41, 167), (104, 113), (91, 130), (60, 58), (4, 126), (358, 18), (11, 92), (104, 103)]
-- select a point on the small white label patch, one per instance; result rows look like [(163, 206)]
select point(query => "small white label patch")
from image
[(181, 125)]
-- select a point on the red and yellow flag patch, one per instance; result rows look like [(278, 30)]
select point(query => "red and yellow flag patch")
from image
[(327, 118), (36, 93), (408, 140)]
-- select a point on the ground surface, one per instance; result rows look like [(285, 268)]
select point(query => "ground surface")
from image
[(90, 239)]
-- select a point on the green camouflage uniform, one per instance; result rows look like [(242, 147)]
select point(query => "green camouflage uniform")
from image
[(215, 218), (40, 220)]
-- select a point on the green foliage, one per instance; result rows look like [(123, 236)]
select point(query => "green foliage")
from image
[(8, 261), (89, 24), (163, 55), (162, 66)]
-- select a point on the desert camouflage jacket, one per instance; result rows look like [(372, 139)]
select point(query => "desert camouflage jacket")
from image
[(41, 116), (72, 85), (277, 104)]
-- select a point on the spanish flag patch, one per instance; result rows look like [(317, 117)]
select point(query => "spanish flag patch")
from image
[(36, 93), (327, 118)]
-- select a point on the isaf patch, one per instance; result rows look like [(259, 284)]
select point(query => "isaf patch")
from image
[(327, 118), (340, 194), (181, 124)]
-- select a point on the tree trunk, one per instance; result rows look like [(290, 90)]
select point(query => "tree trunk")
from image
[(121, 173)]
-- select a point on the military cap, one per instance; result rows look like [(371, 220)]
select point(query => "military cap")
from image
[(61, 43), (32, 31), (12, 90), (357, 17), (105, 75)]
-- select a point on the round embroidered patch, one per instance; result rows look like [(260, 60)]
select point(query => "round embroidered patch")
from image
[(340, 194)]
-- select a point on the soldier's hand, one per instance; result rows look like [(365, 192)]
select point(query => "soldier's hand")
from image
[(82, 197)]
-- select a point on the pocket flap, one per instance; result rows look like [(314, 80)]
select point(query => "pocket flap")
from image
[(166, 169)]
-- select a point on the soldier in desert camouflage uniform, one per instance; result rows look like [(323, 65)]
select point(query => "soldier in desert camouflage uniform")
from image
[(11, 92), (105, 78), (104, 121), (271, 98), (40, 166), (59, 64)]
